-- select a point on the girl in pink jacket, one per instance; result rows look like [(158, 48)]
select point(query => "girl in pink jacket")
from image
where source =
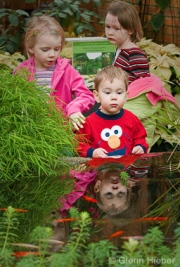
[(44, 40)]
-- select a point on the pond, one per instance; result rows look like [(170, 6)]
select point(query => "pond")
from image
[(116, 211), (126, 197)]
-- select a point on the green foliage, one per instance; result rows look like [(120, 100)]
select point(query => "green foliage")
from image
[(9, 61), (79, 251), (71, 14), (9, 224), (153, 244), (164, 61), (157, 20), (33, 134), (167, 126), (77, 241), (13, 21), (162, 4), (98, 253), (124, 177), (34, 139)]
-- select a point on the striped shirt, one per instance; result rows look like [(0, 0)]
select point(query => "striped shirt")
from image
[(44, 77), (134, 61)]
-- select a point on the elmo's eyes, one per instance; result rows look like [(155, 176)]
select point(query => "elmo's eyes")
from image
[(105, 134), (115, 130)]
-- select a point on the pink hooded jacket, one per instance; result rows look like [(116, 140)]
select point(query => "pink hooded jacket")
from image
[(153, 88), (68, 87)]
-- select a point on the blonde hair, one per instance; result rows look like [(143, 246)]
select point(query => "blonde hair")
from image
[(128, 18), (110, 73), (39, 25)]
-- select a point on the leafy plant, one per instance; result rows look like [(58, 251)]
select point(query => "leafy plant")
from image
[(13, 27), (71, 14), (164, 62), (10, 60), (166, 122), (157, 20)]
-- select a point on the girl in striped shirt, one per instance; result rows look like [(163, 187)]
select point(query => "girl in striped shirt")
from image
[(123, 29)]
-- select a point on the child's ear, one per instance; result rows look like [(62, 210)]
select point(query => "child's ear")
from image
[(97, 186), (31, 50), (127, 95), (96, 96), (130, 32)]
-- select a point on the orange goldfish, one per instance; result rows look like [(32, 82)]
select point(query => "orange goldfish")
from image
[(116, 234), (153, 219), (66, 220), (17, 210), (90, 199), (20, 254)]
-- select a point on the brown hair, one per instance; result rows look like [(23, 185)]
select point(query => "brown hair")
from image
[(128, 18), (39, 25), (110, 73)]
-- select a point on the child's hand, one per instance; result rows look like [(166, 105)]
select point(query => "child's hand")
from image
[(99, 153), (137, 150), (77, 120)]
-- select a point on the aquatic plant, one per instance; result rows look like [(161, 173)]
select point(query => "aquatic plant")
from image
[(80, 251)]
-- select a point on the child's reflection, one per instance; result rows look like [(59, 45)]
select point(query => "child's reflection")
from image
[(112, 196)]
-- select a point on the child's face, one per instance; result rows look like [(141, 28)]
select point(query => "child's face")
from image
[(112, 192), (115, 33), (46, 50), (112, 96)]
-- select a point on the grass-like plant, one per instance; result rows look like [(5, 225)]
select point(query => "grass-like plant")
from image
[(34, 140)]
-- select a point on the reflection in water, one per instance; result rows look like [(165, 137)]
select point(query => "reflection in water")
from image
[(117, 205)]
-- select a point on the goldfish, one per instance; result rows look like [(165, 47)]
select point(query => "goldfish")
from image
[(153, 219), (66, 220), (90, 199), (116, 234), (20, 254), (17, 210)]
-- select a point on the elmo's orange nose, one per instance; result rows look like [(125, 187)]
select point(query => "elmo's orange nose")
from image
[(114, 142)]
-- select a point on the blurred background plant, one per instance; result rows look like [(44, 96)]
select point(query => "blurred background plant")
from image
[(12, 23), (157, 20), (165, 63), (73, 16)]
